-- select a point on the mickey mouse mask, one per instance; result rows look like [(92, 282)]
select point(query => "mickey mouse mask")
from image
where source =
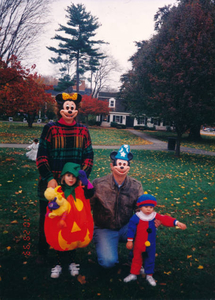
[(121, 161), (67, 104)]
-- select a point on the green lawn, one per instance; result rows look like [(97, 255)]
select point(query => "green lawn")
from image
[(20, 133), (184, 188), (207, 143)]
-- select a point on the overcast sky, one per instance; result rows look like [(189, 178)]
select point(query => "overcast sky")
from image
[(122, 23)]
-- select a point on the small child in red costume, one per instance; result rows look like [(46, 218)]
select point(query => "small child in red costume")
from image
[(142, 228)]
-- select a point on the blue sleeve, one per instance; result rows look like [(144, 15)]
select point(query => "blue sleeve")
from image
[(132, 226)]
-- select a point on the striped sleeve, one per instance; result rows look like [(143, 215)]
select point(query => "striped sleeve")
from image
[(87, 154), (43, 154)]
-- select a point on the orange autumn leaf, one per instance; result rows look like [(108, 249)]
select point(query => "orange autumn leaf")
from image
[(14, 222), (81, 279), (8, 248)]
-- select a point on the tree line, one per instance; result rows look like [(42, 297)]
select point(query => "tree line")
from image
[(173, 73), (78, 52)]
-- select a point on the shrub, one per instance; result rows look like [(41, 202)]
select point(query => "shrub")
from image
[(120, 126), (92, 122), (113, 124)]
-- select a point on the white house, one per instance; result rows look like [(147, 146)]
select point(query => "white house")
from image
[(120, 115)]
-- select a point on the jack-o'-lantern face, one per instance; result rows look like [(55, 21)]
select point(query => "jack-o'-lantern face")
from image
[(121, 168), (78, 231), (69, 111)]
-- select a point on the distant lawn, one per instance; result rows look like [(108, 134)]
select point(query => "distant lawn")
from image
[(113, 136), (207, 143), (184, 188), (18, 133)]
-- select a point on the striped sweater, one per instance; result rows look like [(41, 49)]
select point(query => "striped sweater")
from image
[(59, 144)]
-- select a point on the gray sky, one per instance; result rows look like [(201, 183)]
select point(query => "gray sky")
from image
[(122, 23)]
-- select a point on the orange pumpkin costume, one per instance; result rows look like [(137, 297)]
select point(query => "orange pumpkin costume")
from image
[(78, 232)]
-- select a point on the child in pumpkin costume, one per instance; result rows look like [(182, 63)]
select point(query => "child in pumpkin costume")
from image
[(73, 229), (142, 230)]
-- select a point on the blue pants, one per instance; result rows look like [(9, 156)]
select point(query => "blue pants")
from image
[(106, 242)]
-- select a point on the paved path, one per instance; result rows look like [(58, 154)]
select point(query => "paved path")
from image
[(162, 146), (156, 145)]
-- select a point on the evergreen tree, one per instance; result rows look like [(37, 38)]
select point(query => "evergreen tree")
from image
[(76, 46)]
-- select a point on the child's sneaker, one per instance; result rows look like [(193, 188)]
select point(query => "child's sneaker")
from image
[(130, 277), (74, 269), (151, 280), (55, 272)]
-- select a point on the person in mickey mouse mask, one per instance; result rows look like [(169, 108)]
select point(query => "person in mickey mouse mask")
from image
[(61, 142), (113, 205)]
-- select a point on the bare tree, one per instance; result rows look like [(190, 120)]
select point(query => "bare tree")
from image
[(21, 23), (102, 76)]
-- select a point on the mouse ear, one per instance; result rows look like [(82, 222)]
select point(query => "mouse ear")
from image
[(79, 97), (113, 155), (59, 99), (130, 156)]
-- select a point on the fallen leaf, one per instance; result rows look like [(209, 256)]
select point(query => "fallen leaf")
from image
[(14, 222), (168, 273), (8, 248), (81, 279), (200, 267), (119, 271)]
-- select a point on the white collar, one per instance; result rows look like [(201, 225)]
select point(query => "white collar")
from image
[(145, 217)]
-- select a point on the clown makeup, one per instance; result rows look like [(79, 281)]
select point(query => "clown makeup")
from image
[(69, 179), (147, 210)]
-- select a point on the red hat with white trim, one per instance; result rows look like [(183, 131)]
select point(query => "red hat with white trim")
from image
[(146, 200)]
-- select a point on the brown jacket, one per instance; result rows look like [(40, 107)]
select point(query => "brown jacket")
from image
[(113, 207)]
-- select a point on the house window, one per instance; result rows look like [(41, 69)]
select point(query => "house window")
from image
[(112, 102), (117, 119), (142, 121)]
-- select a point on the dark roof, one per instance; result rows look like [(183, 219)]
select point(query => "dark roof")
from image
[(107, 95)]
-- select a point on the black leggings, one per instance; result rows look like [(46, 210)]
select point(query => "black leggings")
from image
[(43, 245)]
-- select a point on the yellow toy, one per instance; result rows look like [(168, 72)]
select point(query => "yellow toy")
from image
[(58, 205)]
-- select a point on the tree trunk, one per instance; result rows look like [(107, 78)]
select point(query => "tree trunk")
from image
[(178, 142), (86, 119), (77, 74), (30, 119), (195, 132)]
